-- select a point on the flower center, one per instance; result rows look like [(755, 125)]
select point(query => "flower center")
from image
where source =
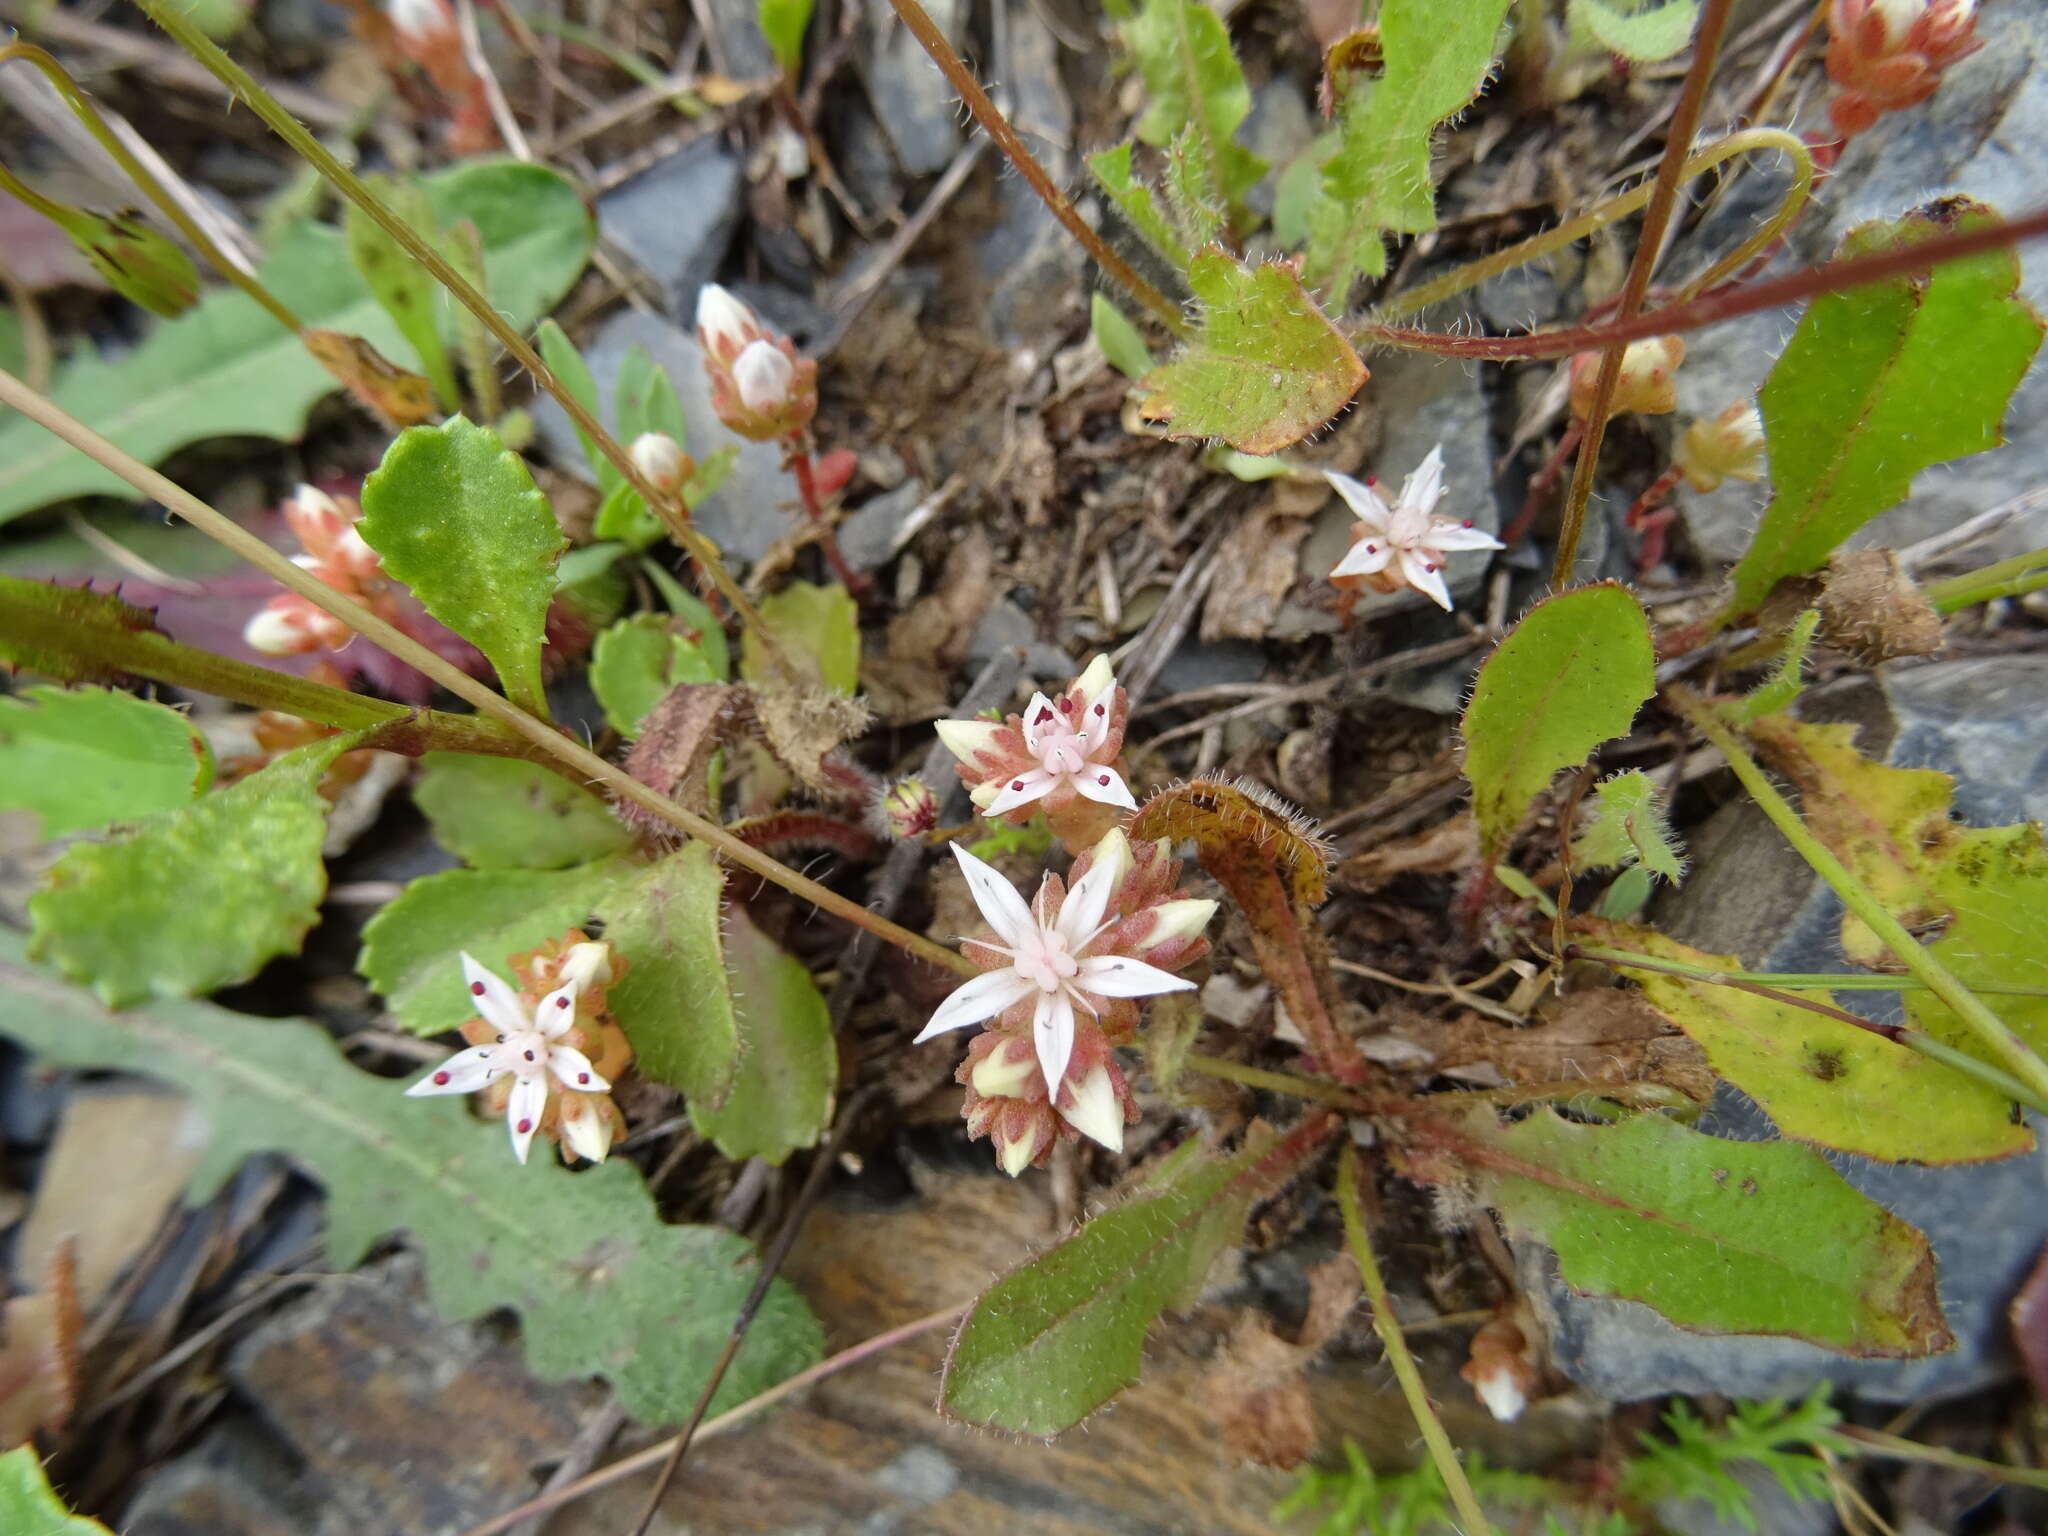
[(1042, 959), (1409, 527), (1061, 748), (525, 1054)]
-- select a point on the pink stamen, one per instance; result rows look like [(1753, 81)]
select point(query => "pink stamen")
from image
[(525, 1126), (440, 1079), (476, 989), (582, 1077)]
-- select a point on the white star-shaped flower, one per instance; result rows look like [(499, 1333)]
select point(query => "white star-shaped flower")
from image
[(1407, 542), (529, 1048), (1046, 965), (1062, 736)]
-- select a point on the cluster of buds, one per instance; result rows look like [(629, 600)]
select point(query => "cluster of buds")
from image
[(1885, 55), (760, 388), (1646, 385), (907, 809), (1059, 756), (1404, 545), (1060, 979), (332, 550), (1729, 446), (544, 1054)]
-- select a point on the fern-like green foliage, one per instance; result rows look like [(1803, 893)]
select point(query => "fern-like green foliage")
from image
[(1698, 1460)]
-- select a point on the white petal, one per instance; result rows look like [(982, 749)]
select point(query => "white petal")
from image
[(557, 1011), (586, 1127), (496, 1002), (464, 1072), (1081, 913), (575, 1071), (982, 998), (1120, 976), (523, 1108), (1004, 910), (1095, 1112), (1365, 502), (1105, 786), (1458, 536), (1415, 567), (1052, 1031), (1502, 1395), (1367, 557), (1034, 784), (1425, 488), (1039, 705), (721, 317), (964, 738)]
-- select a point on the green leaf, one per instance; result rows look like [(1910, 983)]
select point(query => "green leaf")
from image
[(412, 947), (639, 660), (569, 369), (1192, 80), (781, 1094), (1567, 678), (601, 1284), (1134, 200), (507, 813), (85, 757), (1640, 30), (1267, 367), (1821, 1079), (1787, 681), (197, 898), (28, 1506), (1629, 825), (1192, 193), (1880, 382), (1437, 59), (818, 624), (407, 292), (1118, 338), (457, 518), (673, 1001), (143, 266), (1054, 1340), (783, 23), (1719, 1236), (228, 369)]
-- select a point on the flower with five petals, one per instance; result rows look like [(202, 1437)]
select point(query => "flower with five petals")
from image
[(1405, 544)]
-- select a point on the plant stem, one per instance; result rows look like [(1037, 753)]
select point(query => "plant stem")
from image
[(1685, 121), (998, 128), (1837, 276), (798, 454), (2008, 578), (167, 16), (1789, 981), (1276, 1082), (1389, 1329), (1990, 1030), (1876, 1442), (578, 757)]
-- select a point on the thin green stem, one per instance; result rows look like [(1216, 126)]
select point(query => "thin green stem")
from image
[(1389, 1329), (83, 109), (1990, 1030), (166, 15), (1788, 981), (1274, 1082), (578, 757), (2008, 578), (1876, 1442)]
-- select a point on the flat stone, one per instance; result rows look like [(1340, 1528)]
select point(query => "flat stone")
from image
[(237, 1481), (758, 502), (1752, 896), (918, 110), (868, 537), (676, 219)]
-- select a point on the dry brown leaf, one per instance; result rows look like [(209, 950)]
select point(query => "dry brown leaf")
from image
[(934, 632), (1439, 850), (804, 728), (1872, 610), (676, 742), (1603, 1036), (1255, 569), (405, 399), (1257, 1389)]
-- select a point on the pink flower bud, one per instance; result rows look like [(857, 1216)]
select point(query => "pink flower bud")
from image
[(763, 375), (1884, 55), (1646, 385), (276, 632), (724, 324), (909, 809), (422, 22), (661, 462), (760, 388), (1729, 446)]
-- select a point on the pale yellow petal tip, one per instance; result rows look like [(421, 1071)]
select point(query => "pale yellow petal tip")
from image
[(964, 738)]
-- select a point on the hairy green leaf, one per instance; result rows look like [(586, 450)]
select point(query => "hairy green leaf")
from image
[(1192, 80), (1437, 59), (1821, 1079), (1628, 826), (412, 947), (1880, 382), (1051, 1342), (600, 1283), (405, 289), (1719, 1236), (507, 813), (1787, 681), (1134, 200), (638, 660), (196, 898), (781, 1094), (817, 624), (783, 23), (228, 369), (1267, 367), (1640, 30), (28, 1506), (1118, 338), (1191, 192), (457, 518), (674, 1001), (1567, 678), (82, 758)]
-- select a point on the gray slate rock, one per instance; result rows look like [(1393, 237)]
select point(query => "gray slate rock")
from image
[(919, 112), (757, 504), (1752, 896), (676, 219)]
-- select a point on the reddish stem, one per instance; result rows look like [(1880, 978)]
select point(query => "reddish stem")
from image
[(799, 460), (1541, 482)]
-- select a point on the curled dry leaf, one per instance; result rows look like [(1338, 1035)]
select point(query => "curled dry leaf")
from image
[(1257, 1389), (677, 738), (405, 399), (1603, 1037), (1871, 609)]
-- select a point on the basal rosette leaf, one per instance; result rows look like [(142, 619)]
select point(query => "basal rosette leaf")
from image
[(788, 1064), (636, 663), (1629, 828), (675, 1000), (507, 813), (1567, 678), (600, 1284), (818, 625), (83, 758), (1640, 30)]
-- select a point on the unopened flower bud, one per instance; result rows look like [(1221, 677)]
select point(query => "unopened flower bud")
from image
[(586, 964), (909, 809), (1646, 383), (1019, 1146), (422, 21), (1884, 55), (763, 376), (1006, 1072), (760, 388), (661, 462), (1092, 1107), (1729, 446), (275, 632), (724, 325), (587, 1126)]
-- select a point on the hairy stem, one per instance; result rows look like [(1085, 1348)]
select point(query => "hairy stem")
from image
[(1685, 121), (799, 456), (1441, 1452), (578, 757), (1275, 1082), (998, 128)]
